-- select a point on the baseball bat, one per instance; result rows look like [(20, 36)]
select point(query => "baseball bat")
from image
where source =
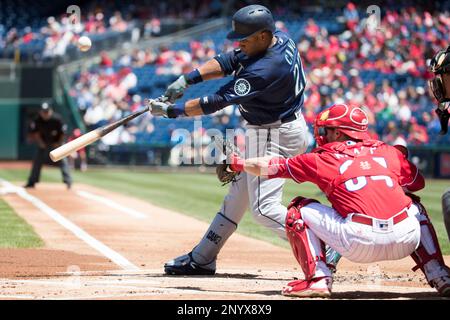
[(92, 136)]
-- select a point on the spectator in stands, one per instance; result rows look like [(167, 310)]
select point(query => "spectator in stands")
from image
[(12, 38), (105, 61), (152, 28), (351, 16), (117, 23)]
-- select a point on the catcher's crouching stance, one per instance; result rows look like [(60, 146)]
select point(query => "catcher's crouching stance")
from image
[(371, 218)]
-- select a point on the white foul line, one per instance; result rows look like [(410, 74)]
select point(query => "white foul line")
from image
[(112, 204), (77, 231)]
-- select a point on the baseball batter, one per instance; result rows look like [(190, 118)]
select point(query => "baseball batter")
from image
[(269, 85), (371, 218)]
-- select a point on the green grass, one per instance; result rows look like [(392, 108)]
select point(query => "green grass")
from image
[(200, 195), (14, 231)]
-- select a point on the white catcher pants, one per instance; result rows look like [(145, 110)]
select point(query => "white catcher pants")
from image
[(359, 242)]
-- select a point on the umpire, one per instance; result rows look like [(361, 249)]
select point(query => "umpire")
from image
[(440, 85), (47, 130)]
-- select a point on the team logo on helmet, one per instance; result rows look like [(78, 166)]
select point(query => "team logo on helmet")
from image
[(324, 115), (242, 87)]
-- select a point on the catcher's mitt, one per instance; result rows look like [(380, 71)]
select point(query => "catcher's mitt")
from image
[(225, 174), (223, 170)]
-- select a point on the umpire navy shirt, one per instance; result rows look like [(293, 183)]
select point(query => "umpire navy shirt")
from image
[(268, 87), (50, 130)]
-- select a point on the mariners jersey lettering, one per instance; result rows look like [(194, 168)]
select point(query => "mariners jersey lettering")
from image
[(366, 177), (268, 87)]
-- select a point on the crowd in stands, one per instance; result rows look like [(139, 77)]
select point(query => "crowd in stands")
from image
[(49, 38), (58, 33), (382, 66)]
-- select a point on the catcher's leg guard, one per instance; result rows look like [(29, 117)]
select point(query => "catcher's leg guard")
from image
[(428, 255), (308, 249), (446, 211), (332, 257)]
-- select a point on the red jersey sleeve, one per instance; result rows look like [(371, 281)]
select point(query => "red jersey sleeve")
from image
[(410, 177), (300, 168)]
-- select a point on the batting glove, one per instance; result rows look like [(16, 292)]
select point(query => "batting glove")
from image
[(165, 109), (176, 89)]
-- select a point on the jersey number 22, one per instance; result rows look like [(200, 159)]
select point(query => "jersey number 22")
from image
[(299, 73)]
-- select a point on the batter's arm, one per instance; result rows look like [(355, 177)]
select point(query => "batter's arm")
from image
[(192, 108), (208, 71), (211, 70)]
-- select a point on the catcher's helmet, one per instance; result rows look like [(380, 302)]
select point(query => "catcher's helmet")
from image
[(350, 120), (439, 65), (249, 20)]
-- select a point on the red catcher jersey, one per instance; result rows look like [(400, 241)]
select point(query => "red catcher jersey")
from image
[(366, 177)]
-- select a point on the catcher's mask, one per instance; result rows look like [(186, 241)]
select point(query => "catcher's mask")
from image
[(350, 120), (440, 65)]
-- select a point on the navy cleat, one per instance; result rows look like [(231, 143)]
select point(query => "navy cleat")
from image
[(186, 266)]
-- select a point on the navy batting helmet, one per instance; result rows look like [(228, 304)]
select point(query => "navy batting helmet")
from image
[(250, 20)]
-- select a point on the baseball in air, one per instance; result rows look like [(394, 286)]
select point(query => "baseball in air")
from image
[(84, 43)]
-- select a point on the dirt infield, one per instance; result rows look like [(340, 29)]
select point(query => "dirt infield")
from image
[(103, 245)]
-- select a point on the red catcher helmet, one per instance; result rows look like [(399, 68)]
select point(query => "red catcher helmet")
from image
[(350, 120)]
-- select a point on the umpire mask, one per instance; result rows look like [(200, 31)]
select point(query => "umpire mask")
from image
[(440, 66), (440, 86)]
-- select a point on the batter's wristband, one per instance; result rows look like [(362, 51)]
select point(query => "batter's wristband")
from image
[(193, 77), (237, 164), (176, 110)]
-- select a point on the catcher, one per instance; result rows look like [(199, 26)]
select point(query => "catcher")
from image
[(373, 217), (440, 86)]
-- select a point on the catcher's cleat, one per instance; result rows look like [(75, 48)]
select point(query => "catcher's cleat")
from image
[(314, 288), (186, 266)]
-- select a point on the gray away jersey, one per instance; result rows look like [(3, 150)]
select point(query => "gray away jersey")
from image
[(268, 87)]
